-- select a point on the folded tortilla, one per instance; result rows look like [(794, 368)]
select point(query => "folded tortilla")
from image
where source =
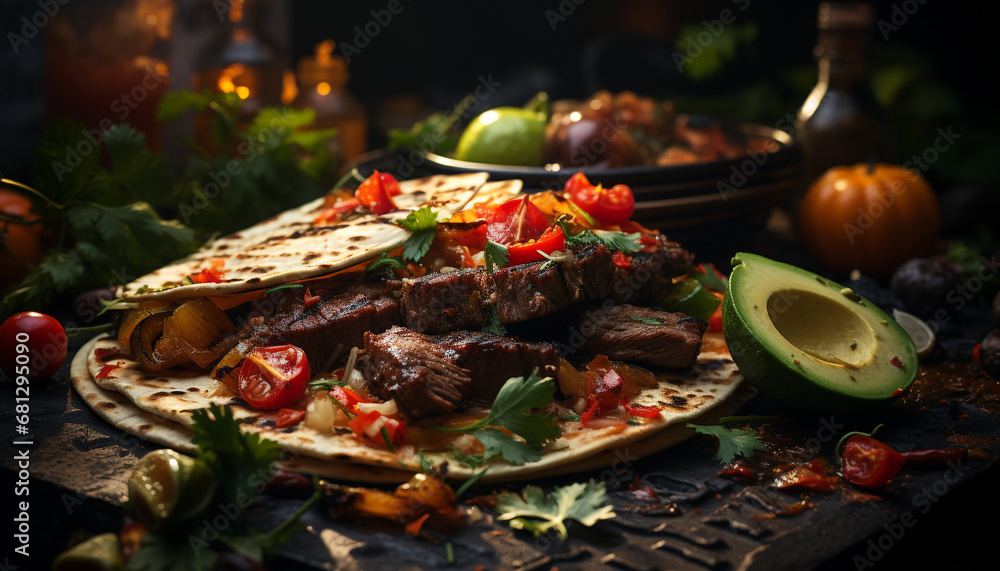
[(290, 247)]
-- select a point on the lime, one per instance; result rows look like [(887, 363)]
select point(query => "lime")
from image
[(504, 136), (168, 487), (918, 330)]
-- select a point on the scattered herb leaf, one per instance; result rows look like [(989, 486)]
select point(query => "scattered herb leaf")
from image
[(534, 512), (733, 442)]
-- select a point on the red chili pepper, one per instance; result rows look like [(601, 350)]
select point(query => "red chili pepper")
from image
[(739, 470), (531, 251), (590, 413), (934, 457), (868, 462), (106, 371)]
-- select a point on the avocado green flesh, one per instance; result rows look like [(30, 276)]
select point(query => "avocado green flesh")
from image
[(811, 342)]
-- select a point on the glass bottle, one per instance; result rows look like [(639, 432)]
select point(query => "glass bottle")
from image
[(322, 86), (841, 122)]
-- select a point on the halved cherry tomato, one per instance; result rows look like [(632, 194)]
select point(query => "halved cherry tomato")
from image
[(371, 424), (608, 206), (531, 251), (868, 462), (274, 377), (515, 221), (376, 192)]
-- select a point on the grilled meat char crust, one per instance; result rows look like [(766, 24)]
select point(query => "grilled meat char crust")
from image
[(431, 374), (639, 334)]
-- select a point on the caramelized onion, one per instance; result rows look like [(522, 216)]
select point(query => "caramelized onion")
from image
[(153, 351), (132, 317), (203, 330)]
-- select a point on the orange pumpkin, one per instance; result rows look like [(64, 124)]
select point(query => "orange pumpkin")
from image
[(870, 217)]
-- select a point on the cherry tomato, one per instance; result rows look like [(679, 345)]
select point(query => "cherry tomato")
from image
[(576, 183), (868, 462), (288, 417), (551, 240), (32, 346), (20, 244), (376, 192), (515, 221), (608, 206), (274, 377)]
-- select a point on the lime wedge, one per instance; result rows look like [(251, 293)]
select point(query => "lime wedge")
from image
[(921, 333)]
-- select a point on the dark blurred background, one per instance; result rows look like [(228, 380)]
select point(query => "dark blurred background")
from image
[(934, 69)]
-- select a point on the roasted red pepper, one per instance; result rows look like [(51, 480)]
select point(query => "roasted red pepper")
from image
[(934, 457), (868, 462)]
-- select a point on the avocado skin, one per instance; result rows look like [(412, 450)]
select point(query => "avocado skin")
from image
[(777, 376)]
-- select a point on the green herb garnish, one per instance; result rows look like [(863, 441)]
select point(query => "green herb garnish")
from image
[(422, 223), (733, 442), (495, 256), (534, 512)]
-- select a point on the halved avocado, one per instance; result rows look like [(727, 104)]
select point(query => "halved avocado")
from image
[(811, 343)]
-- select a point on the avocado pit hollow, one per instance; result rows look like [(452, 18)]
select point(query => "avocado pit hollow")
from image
[(824, 328)]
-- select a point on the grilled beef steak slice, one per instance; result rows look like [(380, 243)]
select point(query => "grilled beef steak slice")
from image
[(638, 334), (435, 374), (649, 273), (410, 367), (436, 303), (328, 327)]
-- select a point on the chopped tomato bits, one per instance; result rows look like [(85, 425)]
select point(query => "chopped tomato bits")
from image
[(376, 192), (211, 274), (289, 417), (379, 428)]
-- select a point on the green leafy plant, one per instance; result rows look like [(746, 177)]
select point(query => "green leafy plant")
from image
[(248, 168), (99, 200)]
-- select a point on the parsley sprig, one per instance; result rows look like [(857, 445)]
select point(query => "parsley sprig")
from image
[(613, 239), (733, 442), (533, 511), (512, 410)]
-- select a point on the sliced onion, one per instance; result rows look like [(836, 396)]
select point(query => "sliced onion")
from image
[(201, 323), (132, 317), (151, 349), (387, 408)]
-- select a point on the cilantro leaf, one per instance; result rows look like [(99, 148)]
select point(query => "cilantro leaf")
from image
[(733, 442), (493, 324), (534, 512), (383, 266), (510, 410), (613, 239), (497, 443), (495, 255), (241, 462), (422, 223), (421, 219)]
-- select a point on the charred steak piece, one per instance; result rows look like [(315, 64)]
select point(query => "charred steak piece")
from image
[(327, 327), (649, 273), (638, 334), (435, 374), (439, 303), (410, 367)]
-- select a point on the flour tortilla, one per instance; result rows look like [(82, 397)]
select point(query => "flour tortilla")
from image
[(173, 395), (289, 248)]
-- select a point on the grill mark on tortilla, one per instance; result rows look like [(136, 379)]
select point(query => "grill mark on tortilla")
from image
[(145, 427), (311, 256), (106, 405), (678, 402), (178, 392), (193, 389)]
